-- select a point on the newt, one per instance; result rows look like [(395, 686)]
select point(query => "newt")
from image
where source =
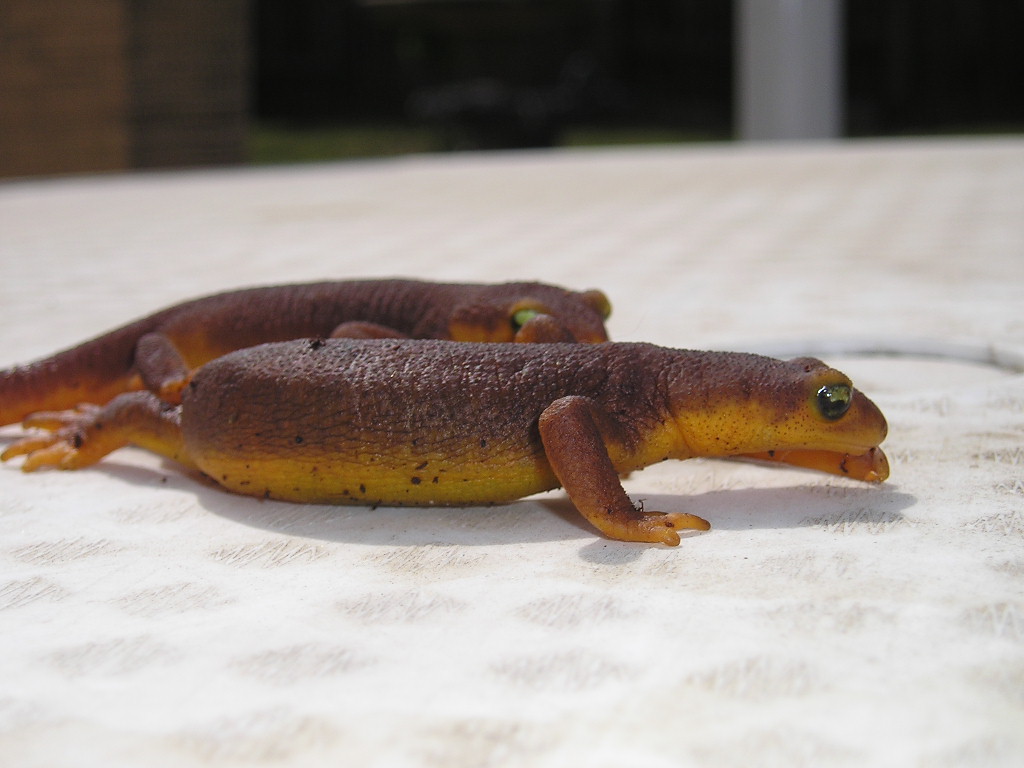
[(398, 422), (160, 351)]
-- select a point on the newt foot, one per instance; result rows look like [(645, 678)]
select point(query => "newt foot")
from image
[(664, 527), (170, 391), (69, 444)]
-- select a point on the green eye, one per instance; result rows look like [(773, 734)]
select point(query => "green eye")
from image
[(522, 316), (834, 400)]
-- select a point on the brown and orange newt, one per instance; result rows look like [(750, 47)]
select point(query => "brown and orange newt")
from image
[(159, 352), (423, 423)]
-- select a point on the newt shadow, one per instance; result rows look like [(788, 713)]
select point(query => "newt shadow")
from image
[(544, 518), (549, 517)]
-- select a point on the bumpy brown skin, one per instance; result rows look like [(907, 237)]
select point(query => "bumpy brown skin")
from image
[(420, 423), (159, 352)]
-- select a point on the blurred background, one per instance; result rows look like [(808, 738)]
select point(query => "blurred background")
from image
[(101, 85)]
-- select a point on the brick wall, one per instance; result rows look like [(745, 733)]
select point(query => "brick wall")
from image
[(189, 81), (93, 85), (63, 86)]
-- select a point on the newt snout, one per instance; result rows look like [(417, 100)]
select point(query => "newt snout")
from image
[(871, 466), (805, 414)]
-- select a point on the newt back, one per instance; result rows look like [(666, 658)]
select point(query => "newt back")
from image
[(400, 422), (442, 423)]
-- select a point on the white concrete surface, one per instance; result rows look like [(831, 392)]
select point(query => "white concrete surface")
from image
[(147, 618)]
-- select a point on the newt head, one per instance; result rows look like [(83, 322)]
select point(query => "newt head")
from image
[(800, 412), (530, 312)]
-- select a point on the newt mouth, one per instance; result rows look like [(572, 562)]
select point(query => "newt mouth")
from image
[(871, 467)]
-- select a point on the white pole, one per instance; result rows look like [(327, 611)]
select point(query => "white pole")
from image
[(789, 69)]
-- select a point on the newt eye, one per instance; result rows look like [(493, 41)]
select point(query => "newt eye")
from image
[(834, 400), (522, 316)]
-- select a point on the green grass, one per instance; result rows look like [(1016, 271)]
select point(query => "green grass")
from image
[(273, 143), (282, 143), (285, 144), (604, 137)]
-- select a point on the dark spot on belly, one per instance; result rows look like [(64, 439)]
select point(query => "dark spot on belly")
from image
[(423, 465), (362, 489), (483, 443), (415, 480), (298, 440)]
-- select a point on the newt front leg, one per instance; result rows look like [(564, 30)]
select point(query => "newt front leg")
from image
[(577, 453), (162, 367)]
